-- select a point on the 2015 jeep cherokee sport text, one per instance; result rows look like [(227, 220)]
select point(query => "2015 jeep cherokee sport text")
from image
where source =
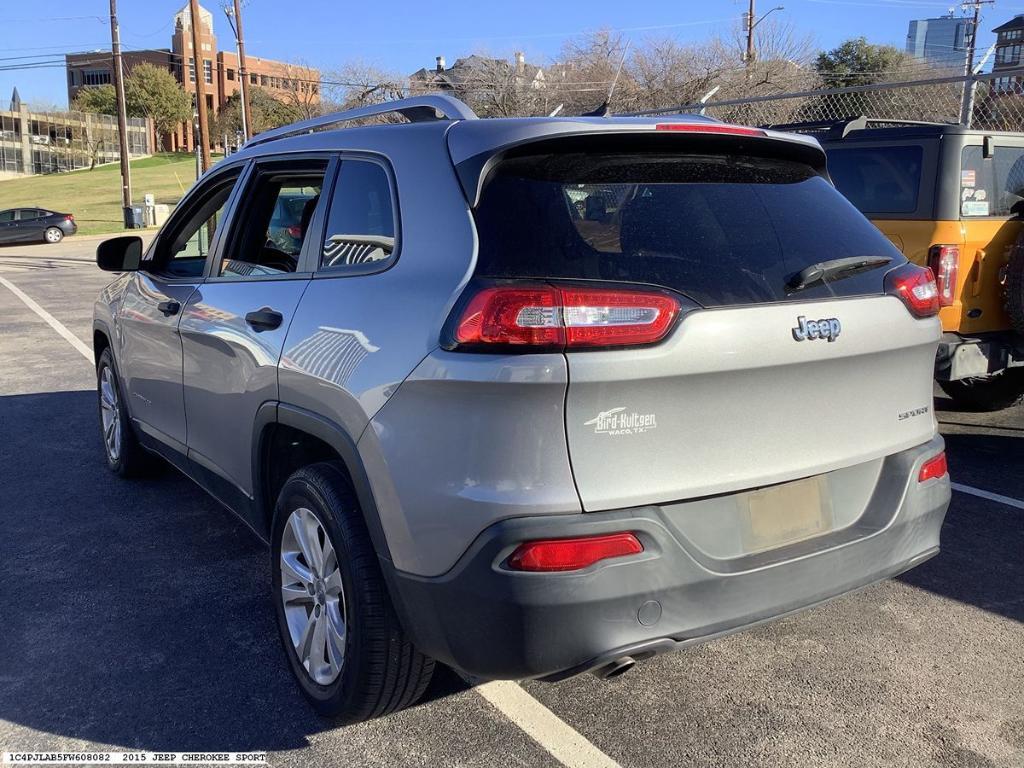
[(529, 397)]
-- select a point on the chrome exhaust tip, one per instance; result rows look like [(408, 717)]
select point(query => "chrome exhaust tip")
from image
[(615, 668)]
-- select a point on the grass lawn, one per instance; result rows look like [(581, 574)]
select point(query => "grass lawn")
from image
[(94, 197)]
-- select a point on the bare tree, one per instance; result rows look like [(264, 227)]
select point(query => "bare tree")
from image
[(499, 87), (359, 84), (582, 77), (302, 89)]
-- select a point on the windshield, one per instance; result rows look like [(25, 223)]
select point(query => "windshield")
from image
[(719, 229)]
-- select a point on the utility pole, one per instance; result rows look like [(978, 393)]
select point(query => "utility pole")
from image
[(967, 103), (200, 70), (243, 75), (751, 22), (749, 58), (122, 118)]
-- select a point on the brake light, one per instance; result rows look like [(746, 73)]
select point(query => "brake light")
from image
[(552, 316), (295, 231), (69, 217), (944, 261), (933, 468), (572, 554), (731, 130), (916, 287)]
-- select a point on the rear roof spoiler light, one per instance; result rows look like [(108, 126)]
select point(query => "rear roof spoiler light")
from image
[(729, 130)]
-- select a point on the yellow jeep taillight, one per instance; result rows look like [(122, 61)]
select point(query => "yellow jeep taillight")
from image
[(944, 261)]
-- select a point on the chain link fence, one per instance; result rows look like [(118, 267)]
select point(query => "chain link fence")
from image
[(997, 103)]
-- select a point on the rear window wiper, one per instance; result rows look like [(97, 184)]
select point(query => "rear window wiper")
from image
[(825, 270)]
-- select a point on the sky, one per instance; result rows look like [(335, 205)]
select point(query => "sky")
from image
[(404, 36)]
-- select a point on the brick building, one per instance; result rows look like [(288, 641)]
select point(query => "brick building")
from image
[(219, 69)]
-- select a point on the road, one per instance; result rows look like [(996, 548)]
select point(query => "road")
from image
[(136, 615)]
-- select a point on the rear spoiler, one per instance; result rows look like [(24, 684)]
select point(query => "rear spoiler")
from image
[(474, 168)]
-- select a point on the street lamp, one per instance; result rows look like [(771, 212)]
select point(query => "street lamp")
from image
[(751, 23)]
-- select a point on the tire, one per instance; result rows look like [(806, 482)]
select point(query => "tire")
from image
[(991, 393), (125, 456), (365, 666), (53, 235), (1015, 285)]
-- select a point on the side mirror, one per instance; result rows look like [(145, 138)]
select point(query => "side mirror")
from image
[(119, 254)]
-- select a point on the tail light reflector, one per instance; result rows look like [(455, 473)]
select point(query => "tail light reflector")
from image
[(572, 554), (552, 316), (944, 261), (916, 287), (934, 467)]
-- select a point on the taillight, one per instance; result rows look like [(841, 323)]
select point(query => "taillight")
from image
[(916, 287), (572, 554), (563, 316), (944, 261), (934, 467), (69, 217), (295, 231)]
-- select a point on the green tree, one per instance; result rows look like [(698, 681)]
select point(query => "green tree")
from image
[(267, 112), (99, 100), (153, 92), (858, 62)]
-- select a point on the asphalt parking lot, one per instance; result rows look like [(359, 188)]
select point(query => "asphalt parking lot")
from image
[(135, 615)]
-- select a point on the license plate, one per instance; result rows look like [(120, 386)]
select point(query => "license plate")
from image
[(785, 514)]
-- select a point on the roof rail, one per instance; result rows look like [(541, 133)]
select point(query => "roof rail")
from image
[(415, 109)]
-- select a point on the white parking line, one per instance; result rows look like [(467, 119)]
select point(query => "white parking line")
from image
[(562, 742), (1008, 501), (52, 321)]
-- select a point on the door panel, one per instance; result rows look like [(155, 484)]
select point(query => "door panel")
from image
[(150, 355), (150, 350), (230, 369), (234, 327)]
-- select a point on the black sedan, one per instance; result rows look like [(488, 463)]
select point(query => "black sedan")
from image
[(35, 225)]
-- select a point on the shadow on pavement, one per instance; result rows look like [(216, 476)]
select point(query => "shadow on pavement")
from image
[(134, 613)]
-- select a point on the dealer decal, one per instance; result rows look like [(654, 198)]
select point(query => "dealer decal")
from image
[(620, 421)]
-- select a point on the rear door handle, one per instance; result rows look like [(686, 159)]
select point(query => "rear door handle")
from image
[(169, 308), (265, 319)]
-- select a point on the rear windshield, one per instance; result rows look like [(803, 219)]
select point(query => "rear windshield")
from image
[(878, 180), (720, 229)]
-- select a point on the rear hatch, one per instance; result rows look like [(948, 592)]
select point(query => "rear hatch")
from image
[(759, 381)]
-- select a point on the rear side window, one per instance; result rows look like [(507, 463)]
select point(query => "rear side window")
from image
[(360, 231), (722, 230), (878, 180), (991, 186)]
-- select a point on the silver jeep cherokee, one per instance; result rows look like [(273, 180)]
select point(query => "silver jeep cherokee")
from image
[(529, 397)]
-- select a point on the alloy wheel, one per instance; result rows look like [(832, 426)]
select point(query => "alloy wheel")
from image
[(110, 414), (313, 596), (54, 235)]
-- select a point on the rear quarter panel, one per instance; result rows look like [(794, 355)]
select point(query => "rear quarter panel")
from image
[(985, 246)]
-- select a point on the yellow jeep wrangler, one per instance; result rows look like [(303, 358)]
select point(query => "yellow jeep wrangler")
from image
[(952, 199)]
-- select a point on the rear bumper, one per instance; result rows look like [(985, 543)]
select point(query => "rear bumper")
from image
[(962, 357), (494, 623)]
